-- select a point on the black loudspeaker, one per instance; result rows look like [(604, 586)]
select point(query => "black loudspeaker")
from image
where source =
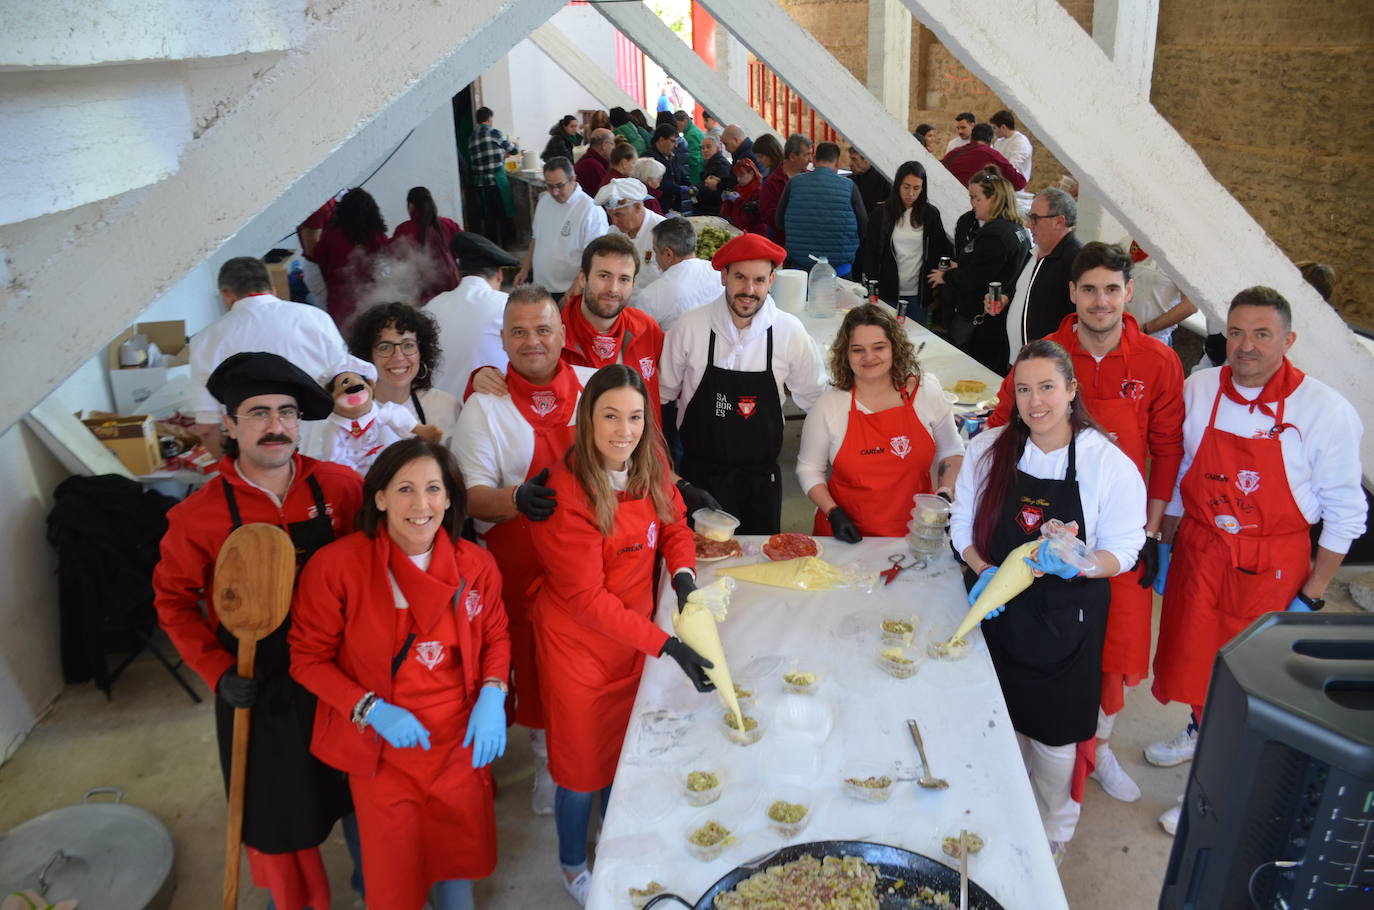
[(1279, 810)]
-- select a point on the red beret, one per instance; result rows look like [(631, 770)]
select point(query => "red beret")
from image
[(748, 246)]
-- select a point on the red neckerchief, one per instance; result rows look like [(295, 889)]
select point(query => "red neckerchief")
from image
[(598, 349), (356, 431), (1275, 391), (427, 593), (545, 407)]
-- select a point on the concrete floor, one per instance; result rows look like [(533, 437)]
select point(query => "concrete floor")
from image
[(159, 747)]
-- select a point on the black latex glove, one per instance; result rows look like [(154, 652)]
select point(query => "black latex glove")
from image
[(237, 691), (1148, 562), (684, 584), (842, 526), (692, 663), (695, 497), (534, 500)]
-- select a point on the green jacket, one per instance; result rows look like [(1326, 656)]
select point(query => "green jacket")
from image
[(633, 136), (693, 135)]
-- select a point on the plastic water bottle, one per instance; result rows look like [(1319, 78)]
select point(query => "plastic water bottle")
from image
[(820, 289)]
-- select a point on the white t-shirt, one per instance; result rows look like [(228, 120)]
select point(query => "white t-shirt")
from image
[(469, 318), (1016, 148), (561, 231), (1155, 294), (1109, 486), (828, 420), (908, 246), (1321, 457), (1016, 309), (796, 362), (441, 410), (955, 143), (687, 285)]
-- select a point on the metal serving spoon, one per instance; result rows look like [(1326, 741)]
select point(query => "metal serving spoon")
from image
[(926, 780)]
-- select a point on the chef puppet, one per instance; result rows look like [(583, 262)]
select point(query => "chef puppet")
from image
[(360, 427)]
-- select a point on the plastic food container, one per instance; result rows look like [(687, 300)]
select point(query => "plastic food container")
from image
[(710, 851), (793, 808), (695, 781), (930, 511), (745, 737), (867, 782), (898, 662), (898, 630), (941, 649), (715, 524)]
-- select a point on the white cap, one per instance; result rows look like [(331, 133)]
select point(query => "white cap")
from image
[(621, 191), (351, 364)]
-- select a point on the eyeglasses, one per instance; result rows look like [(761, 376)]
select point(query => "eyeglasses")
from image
[(1036, 219), (557, 186), (408, 347), (261, 418)]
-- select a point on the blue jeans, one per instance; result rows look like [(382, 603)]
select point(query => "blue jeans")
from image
[(572, 815)]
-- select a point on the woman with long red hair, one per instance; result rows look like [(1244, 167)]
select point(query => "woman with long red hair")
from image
[(1051, 461)]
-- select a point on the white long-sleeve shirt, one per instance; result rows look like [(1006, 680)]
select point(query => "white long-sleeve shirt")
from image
[(826, 424), (302, 334), (1321, 457), (469, 318), (687, 285), (1109, 486), (796, 362), (561, 230), (1016, 148)]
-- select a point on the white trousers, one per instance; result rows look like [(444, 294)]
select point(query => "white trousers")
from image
[(1051, 775), (1105, 724)]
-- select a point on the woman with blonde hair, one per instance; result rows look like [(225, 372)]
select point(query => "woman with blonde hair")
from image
[(880, 429), (990, 244), (617, 514)]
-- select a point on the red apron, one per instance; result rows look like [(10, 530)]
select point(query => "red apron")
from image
[(588, 679), (548, 409), (883, 462), (1243, 549), (428, 815), (1126, 652)]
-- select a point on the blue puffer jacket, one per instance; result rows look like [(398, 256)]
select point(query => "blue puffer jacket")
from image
[(819, 220)]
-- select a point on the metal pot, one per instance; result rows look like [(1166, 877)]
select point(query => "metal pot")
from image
[(105, 855), (901, 874)]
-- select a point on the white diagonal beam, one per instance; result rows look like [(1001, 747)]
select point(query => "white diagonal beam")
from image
[(554, 42), (639, 23), (1108, 134), (69, 286), (889, 56), (791, 52)]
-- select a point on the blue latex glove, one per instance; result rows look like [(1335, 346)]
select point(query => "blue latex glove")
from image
[(397, 726), (1160, 576), (983, 578), (487, 727), (1297, 606), (1046, 561)]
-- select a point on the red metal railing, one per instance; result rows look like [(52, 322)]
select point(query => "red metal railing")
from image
[(783, 109)]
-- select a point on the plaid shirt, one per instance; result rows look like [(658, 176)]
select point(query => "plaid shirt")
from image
[(488, 149)]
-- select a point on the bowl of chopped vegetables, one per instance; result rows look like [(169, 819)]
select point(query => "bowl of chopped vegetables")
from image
[(712, 233)]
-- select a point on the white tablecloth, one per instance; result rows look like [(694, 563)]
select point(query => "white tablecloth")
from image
[(857, 715)]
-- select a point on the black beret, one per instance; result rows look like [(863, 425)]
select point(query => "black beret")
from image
[(242, 376), (473, 251)]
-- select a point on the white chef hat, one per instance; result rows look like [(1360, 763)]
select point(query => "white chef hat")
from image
[(350, 364), (620, 192)]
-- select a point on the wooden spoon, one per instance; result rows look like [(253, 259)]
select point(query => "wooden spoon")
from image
[(254, 575)]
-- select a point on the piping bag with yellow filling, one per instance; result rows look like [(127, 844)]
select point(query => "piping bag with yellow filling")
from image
[(695, 625), (1011, 578), (805, 573)]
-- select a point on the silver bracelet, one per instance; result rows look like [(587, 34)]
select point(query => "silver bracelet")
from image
[(363, 708)]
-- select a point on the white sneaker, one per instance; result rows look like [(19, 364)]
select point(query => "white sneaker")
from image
[(578, 887), (1176, 751), (1168, 819), (541, 801), (1113, 777), (1057, 851)]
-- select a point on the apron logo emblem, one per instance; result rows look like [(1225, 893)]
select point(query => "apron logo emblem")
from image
[(1247, 481), (746, 406), (430, 653), (901, 446), (473, 604), (651, 536), (543, 403), (646, 367), (603, 346), (1029, 518), (1228, 523), (1134, 389), (567, 228), (648, 256)]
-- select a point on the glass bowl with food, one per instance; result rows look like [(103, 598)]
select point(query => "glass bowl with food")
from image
[(898, 661), (707, 836), (702, 782), (750, 734), (898, 630), (788, 810)]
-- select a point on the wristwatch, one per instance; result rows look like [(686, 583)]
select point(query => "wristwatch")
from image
[(497, 683), (1313, 603)]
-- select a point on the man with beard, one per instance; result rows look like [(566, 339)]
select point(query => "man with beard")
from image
[(292, 798), (728, 365)]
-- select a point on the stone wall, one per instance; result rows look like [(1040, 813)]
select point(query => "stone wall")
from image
[(1276, 96)]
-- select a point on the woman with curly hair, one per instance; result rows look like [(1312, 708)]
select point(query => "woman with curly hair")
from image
[(403, 343), (348, 251), (880, 429)]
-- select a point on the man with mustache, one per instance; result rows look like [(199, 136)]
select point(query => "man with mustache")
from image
[(292, 799), (728, 365), (1132, 384), (1267, 453)]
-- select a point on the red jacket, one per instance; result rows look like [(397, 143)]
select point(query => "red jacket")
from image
[(967, 160), (769, 194), (1157, 384), (732, 210), (197, 528), (639, 345), (591, 171), (344, 637)]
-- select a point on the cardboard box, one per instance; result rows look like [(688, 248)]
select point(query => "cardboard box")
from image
[(280, 272), (132, 385), (133, 440)]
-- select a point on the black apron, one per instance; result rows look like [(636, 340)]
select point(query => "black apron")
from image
[(731, 437), (292, 799), (1047, 645)]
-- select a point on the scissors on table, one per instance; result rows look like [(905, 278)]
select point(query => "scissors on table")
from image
[(889, 574)]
